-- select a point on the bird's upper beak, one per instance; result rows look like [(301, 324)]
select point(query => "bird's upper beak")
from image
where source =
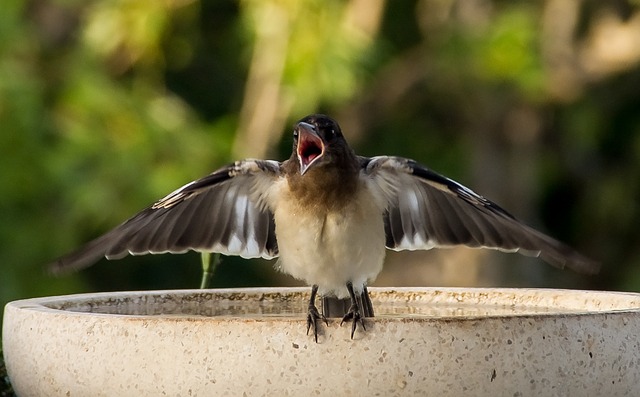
[(310, 147)]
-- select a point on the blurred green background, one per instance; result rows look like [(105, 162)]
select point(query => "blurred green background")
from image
[(106, 106)]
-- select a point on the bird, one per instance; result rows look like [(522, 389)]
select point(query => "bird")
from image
[(328, 215)]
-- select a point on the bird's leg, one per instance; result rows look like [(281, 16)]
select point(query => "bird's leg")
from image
[(354, 312), (313, 315), (367, 306)]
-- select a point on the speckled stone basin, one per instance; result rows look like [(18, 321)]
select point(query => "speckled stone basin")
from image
[(423, 341)]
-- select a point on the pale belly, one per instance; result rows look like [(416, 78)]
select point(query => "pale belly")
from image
[(330, 249)]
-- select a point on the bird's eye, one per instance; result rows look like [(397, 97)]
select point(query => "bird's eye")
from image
[(295, 134), (331, 133)]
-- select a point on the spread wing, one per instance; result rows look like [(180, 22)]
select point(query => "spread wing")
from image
[(222, 212), (427, 210)]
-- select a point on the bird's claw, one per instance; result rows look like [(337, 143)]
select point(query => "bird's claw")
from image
[(313, 315), (354, 315)]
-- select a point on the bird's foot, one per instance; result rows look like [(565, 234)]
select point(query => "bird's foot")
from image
[(354, 315), (313, 316)]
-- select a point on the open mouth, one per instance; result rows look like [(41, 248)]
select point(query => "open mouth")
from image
[(310, 147)]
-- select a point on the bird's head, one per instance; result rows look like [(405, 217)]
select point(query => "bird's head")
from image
[(317, 139)]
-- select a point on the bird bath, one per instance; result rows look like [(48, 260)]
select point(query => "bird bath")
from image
[(423, 341)]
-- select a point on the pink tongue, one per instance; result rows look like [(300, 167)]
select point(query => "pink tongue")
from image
[(311, 157)]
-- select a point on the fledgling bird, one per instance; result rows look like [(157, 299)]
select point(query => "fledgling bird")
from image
[(327, 213)]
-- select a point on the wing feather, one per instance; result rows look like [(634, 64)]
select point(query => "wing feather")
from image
[(427, 210), (222, 212)]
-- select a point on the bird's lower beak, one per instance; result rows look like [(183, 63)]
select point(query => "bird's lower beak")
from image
[(310, 147)]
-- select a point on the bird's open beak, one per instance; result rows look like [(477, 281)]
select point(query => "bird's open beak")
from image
[(310, 146)]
